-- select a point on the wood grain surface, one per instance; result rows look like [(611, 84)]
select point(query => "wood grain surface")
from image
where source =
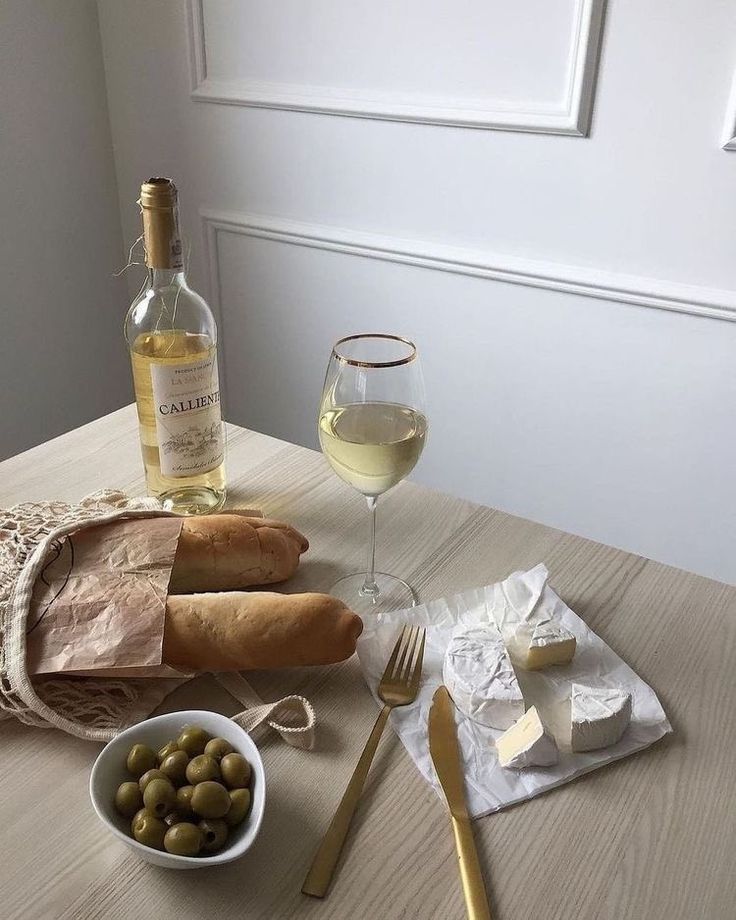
[(652, 837)]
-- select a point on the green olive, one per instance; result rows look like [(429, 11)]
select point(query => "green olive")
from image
[(167, 749), (128, 799), (235, 771), (239, 806), (193, 740), (175, 767), (210, 800), (214, 834), (201, 768), (159, 797), (140, 759), (174, 817), (148, 776), (217, 748), (183, 839), (184, 799), (148, 829)]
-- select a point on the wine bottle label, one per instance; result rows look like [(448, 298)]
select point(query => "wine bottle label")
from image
[(188, 419), (176, 254)]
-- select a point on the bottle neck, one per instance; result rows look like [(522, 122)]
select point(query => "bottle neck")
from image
[(162, 241), (166, 278)]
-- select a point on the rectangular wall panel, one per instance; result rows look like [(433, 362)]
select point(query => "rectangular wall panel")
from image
[(527, 411), (487, 63)]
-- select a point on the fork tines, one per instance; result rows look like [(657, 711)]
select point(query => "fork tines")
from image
[(405, 663)]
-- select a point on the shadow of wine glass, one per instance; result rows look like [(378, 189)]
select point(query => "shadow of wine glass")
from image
[(314, 575)]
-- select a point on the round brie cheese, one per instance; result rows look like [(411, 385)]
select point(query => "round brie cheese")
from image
[(479, 675)]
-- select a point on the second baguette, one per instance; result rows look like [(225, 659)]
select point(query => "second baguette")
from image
[(252, 630)]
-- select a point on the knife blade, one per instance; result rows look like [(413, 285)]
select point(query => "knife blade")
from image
[(445, 752)]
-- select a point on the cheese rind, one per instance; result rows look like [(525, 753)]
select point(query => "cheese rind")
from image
[(527, 612), (479, 675), (527, 744), (541, 645), (599, 716)]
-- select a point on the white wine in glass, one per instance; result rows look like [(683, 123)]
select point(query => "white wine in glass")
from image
[(372, 429), (372, 446)]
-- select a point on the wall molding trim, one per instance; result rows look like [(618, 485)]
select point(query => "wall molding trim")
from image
[(728, 139), (571, 117), (696, 300)]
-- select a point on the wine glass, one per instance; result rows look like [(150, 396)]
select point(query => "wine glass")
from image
[(372, 429)]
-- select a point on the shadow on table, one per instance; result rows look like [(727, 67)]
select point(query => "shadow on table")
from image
[(313, 575)]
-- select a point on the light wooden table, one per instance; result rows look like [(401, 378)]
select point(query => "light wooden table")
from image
[(652, 837)]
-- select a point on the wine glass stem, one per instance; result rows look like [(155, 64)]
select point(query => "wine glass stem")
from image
[(370, 588)]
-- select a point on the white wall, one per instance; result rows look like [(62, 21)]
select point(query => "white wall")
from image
[(573, 296), (61, 349)]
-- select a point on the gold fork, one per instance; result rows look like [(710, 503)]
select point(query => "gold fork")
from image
[(398, 687)]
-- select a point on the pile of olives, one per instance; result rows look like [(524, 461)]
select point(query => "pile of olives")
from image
[(188, 795)]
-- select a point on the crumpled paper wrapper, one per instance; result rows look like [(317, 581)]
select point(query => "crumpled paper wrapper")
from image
[(98, 607), (523, 596)]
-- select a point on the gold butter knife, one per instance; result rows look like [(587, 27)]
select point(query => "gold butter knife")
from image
[(445, 753)]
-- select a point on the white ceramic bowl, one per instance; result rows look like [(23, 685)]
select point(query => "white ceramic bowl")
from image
[(109, 771)]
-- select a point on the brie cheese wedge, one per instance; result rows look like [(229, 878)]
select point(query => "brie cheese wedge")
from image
[(527, 612), (527, 744), (539, 645), (479, 675), (599, 716)]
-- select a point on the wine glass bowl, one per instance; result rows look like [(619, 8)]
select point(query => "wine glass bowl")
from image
[(372, 446), (372, 429)]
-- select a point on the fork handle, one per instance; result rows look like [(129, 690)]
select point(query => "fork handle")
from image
[(476, 899), (323, 866)]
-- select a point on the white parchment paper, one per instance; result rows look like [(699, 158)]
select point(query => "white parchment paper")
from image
[(522, 596)]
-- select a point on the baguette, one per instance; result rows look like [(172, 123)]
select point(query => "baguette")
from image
[(239, 631), (227, 552)]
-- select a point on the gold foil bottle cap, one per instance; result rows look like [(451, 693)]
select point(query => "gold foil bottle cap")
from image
[(159, 204), (158, 192)]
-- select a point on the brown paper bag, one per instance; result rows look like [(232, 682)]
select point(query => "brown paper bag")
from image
[(99, 604)]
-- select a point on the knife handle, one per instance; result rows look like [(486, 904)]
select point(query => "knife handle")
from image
[(474, 889)]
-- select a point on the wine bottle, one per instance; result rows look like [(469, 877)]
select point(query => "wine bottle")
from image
[(172, 336)]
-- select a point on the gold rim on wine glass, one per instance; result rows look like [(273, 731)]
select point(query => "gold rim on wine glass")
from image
[(354, 362)]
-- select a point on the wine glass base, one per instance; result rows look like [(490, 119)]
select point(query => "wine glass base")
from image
[(393, 593)]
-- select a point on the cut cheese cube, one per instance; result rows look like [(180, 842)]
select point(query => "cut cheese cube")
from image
[(599, 716), (541, 645), (479, 675), (527, 744)]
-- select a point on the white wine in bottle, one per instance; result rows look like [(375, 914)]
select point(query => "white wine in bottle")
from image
[(172, 337)]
